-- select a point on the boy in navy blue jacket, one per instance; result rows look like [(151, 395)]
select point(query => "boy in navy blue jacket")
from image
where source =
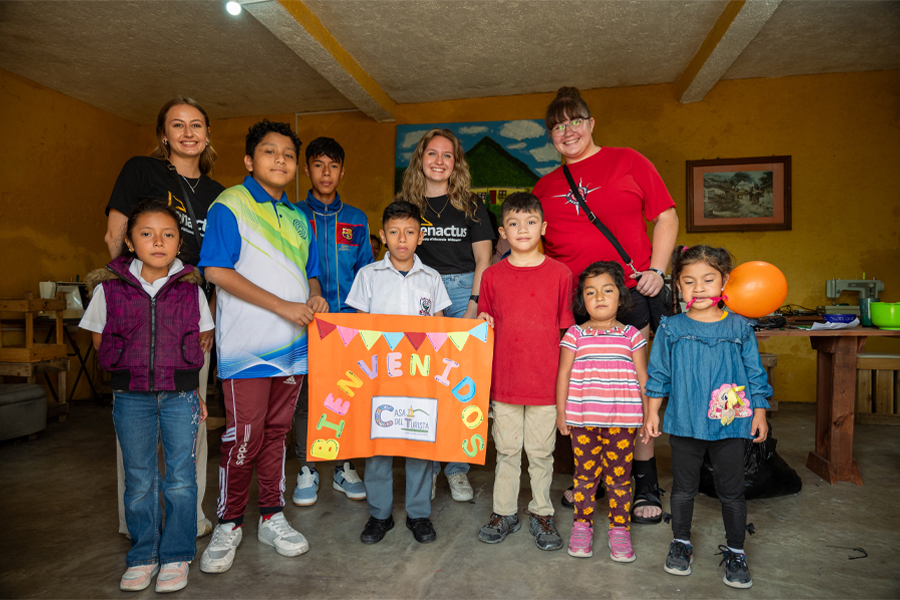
[(342, 235)]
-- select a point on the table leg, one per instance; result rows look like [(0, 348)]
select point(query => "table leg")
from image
[(82, 360), (835, 402)]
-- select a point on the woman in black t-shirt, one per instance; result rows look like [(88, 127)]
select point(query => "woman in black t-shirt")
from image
[(178, 171), (457, 242)]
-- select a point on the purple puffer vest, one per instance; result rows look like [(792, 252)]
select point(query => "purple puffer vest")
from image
[(151, 344)]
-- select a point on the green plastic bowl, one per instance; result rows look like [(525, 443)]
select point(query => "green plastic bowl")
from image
[(886, 315)]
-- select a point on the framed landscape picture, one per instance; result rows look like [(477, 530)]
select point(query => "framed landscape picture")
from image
[(739, 194)]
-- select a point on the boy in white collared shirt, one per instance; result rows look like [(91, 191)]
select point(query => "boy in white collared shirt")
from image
[(399, 285)]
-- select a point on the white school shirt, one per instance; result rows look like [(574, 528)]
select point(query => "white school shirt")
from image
[(379, 288), (94, 318)]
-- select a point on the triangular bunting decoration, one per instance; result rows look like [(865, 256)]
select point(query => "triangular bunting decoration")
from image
[(369, 337), (415, 338), (480, 332), (459, 338), (392, 338), (437, 339), (347, 334), (324, 328)]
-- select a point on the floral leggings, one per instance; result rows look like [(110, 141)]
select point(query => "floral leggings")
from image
[(606, 452)]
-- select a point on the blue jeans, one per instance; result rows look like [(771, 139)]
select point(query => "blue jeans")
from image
[(141, 418), (459, 288)]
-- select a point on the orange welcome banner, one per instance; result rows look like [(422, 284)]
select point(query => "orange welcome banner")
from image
[(390, 385)]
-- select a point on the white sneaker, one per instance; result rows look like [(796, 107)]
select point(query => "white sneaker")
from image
[(219, 555), (433, 486), (460, 490), (277, 532)]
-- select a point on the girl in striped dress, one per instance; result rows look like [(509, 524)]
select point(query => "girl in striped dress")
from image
[(602, 370)]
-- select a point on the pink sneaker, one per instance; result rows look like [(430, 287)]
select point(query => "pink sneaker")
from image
[(138, 578), (172, 577), (620, 545), (581, 539)]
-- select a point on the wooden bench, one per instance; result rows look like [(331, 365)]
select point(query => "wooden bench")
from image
[(877, 388)]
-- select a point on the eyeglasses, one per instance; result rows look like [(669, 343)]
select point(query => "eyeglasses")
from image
[(574, 125)]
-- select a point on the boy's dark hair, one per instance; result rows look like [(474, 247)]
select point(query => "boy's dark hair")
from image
[(375, 238), (521, 202), (719, 259), (325, 146), (259, 130), (149, 205), (614, 270), (401, 209)]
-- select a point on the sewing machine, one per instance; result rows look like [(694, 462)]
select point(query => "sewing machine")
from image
[(71, 291), (866, 288)]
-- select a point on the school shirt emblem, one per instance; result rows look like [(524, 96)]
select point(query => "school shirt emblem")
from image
[(425, 307), (300, 226), (347, 232)]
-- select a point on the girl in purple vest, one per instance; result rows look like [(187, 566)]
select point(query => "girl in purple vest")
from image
[(151, 324)]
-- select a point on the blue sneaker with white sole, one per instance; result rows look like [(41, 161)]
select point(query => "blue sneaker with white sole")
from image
[(346, 480), (306, 492)]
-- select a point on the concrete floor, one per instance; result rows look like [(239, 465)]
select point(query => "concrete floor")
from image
[(59, 536)]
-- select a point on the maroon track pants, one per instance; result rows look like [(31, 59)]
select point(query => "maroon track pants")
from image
[(258, 415)]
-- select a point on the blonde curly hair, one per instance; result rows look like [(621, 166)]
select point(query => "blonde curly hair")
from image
[(414, 186)]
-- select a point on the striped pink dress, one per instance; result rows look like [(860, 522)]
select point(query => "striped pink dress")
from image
[(603, 390)]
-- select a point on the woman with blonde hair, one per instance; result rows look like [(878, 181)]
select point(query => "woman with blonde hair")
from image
[(458, 241)]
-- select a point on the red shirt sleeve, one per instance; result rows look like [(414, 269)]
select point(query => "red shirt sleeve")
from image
[(566, 285), (656, 196)]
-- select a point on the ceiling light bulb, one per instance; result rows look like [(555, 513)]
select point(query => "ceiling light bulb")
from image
[(233, 8)]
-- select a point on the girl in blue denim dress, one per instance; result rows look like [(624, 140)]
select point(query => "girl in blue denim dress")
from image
[(151, 324), (707, 362)]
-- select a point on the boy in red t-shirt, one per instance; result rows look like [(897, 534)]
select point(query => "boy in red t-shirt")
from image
[(527, 299)]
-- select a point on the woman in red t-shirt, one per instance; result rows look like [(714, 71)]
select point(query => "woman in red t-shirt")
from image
[(624, 190)]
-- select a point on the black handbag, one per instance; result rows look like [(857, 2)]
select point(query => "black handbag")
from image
[(598, 223)]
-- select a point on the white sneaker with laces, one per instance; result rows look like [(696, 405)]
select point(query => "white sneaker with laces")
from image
[(460, 490), (286, 540), (219, 555)]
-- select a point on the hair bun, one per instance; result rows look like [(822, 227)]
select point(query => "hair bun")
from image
[(568, 92)]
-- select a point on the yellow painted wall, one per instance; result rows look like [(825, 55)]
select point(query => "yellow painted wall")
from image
[(842, 130), (59, 158)]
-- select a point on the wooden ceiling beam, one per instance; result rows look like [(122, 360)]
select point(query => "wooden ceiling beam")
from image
[(299, 29), (736, 27)]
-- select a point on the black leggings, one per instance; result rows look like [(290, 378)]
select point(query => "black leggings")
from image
[(727, 458)]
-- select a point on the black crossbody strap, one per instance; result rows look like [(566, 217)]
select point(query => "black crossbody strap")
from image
[(207, 287), (187, 205), (597, 222)]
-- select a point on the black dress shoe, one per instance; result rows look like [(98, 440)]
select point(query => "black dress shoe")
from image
[(375, 530), (422, 530)]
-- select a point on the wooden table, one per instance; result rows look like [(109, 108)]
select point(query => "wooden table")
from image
[(836, 351)]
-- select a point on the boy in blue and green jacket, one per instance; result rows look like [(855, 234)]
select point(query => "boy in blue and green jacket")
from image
[(342, 235)]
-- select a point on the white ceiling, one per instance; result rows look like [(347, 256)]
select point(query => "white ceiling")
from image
[(128, 58)]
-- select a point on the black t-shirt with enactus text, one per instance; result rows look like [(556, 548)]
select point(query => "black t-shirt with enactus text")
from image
[(447, 245), (145, 177)]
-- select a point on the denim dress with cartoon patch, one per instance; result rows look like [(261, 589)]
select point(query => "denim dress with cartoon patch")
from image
[(711, 373)]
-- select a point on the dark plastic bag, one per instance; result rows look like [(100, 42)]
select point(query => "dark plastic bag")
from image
[(766, 474)]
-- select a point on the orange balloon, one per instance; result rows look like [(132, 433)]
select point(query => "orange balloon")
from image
[(755, 289)]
